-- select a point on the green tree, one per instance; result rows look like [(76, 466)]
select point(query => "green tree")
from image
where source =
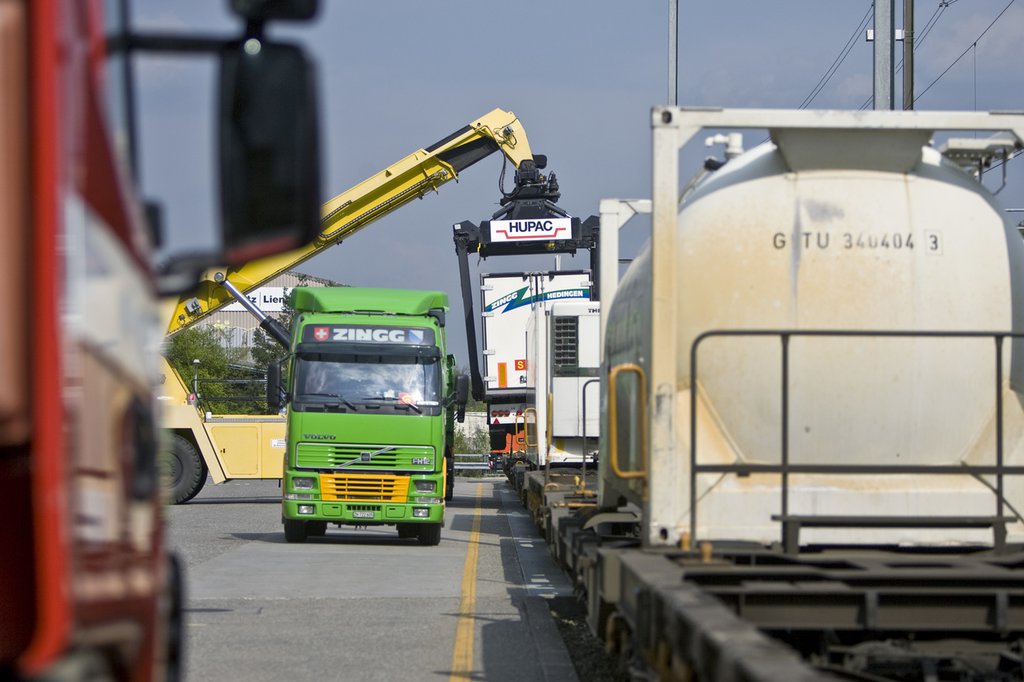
[(266, 350), (478, 442), (231, 380), (227, 384)]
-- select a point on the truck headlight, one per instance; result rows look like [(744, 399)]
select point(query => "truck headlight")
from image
[(424, 486), (303, 483), (307, 509)]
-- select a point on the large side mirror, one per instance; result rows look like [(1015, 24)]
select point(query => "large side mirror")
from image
[(461, 397), (274, 387), (269, 154)]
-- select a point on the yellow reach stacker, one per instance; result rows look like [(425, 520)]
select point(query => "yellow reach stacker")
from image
[(252, 446)]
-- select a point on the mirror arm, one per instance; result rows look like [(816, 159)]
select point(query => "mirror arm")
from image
[(168, 42)]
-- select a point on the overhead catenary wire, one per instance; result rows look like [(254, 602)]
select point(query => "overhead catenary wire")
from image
[(933, 20), (943, 4), (1003, 162), (838, 61), (973, 45), (975, 77), (930, 24)]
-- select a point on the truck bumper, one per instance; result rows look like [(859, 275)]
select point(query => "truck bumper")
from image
[(363, 513)]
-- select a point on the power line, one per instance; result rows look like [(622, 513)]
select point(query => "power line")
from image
[(838, 61), (1003, 162), (930, 24), (933, 20), (962, 54), (943, 4)]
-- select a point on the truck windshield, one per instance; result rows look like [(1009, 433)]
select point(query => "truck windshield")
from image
[(354, 379)]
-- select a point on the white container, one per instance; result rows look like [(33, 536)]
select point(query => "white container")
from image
[(844, 222)]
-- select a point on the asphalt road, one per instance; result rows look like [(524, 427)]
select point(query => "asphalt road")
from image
[(361, 604)]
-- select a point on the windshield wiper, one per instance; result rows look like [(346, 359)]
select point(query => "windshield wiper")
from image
[(341, 399), (396, 402)]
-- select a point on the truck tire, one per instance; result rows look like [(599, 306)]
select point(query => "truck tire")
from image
[(184, 470), (430, 534), (175, 671), (294, 531), (316, 528), (407, 530)]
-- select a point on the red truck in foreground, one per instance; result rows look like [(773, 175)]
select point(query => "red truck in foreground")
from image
[(87, 589)]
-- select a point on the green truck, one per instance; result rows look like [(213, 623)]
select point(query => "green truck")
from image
[(372, 399)]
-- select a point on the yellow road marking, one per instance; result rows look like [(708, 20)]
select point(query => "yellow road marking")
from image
[(462, 652)]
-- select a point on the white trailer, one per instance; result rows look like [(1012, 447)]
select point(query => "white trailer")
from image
[(563, 363), (508, 301)]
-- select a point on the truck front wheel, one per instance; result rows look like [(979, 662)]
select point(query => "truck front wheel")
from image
[(184, 472), (430, 534), (175, 667), (294, 531)]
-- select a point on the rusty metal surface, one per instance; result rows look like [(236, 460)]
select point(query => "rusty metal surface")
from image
[(868, 591), (677, 626)]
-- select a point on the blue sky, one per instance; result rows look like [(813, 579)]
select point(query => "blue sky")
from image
[(397, 75)]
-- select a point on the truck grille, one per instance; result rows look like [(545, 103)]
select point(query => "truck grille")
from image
[(363, 487), (356, 456), (375, 508)]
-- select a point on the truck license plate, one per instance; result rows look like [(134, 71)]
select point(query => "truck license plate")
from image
[(362, 514)]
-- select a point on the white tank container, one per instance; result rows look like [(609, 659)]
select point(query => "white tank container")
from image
[(820, 231)]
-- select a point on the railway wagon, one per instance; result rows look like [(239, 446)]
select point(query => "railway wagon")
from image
[(812, 394)]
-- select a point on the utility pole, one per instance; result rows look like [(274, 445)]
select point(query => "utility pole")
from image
[(908, 54), (884, 37), (673, 51)]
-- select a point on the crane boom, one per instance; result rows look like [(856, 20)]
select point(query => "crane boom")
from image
[(414, 176)]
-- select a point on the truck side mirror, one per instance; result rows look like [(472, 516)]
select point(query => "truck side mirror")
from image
[(269, 155), (274, 387), (461, 397)]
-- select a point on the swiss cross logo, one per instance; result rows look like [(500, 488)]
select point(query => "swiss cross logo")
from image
[(321, 333)]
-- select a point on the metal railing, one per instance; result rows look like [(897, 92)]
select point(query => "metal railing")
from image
[(785, 468), (471, 462), (583, 447)]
